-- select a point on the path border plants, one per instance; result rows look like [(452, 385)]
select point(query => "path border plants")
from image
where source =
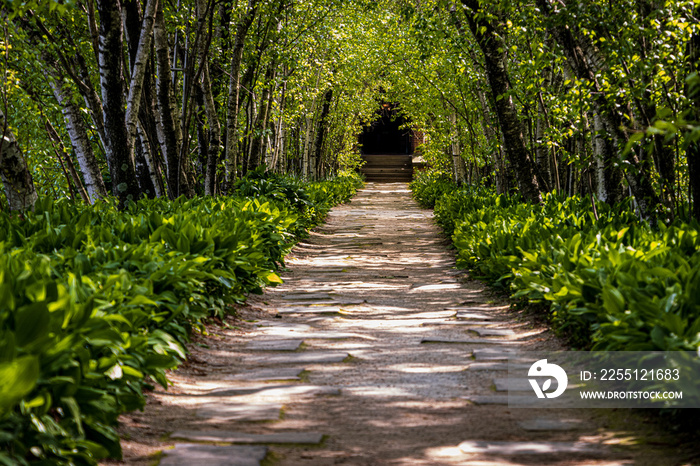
[(97, 303), (611, 283)]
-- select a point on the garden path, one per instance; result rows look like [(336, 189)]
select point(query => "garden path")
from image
[(374, 351)]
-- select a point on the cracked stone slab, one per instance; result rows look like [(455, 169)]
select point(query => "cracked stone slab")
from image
[(493, 332), (513, 385), (532, 448), (240, 411), (189, 454), (274, 345), (218, 436), (555, 425), (300, 358), (270, 375)]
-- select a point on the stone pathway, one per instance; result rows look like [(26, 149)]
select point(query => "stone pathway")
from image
[(376, 350)]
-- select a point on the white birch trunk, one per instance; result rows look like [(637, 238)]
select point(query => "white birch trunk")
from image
[(89, 168), (138, 71)]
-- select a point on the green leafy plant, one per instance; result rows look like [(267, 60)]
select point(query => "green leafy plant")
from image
[(98, 302)]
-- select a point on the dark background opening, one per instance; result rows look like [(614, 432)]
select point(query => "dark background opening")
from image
[(383, 136)]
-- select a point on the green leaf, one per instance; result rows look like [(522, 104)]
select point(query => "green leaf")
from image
[(17, 379)]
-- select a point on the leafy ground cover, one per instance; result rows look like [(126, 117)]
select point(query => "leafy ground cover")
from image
[(608, 283), (97, 302)]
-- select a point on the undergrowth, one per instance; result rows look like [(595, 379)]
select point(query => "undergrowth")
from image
[(97, 302)]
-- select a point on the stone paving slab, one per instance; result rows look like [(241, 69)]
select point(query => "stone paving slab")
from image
[(436, 287), (224, 411), (467, 323), (320, 357), (493, 332), (513, 400), (310, 302), (513, 385), (492, 354), (487, 399), (309, 310), (532, 448), (477, 309), (186, 454), (495, 366), (271, 375), (270, 325), (553, 425), (219, 436), (472, 315), (274, 345), (332, 336), (282, 391), (311, 334), (305, 296), (465, 341)]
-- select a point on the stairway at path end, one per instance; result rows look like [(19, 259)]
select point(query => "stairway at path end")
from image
[(387, 168)]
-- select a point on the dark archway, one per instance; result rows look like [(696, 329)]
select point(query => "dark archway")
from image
[(385, 136)]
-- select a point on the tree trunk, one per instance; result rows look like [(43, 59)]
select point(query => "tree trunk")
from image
[(234, 93), (280, 130), (143, 173), (138, 70), (92, 99), (321, 130), (149, 154), (459, 168), (168, 118), (491, 133), (121, 160), (692, 91), (256, 155), (94, 184), (490, 38), (214, 151), (16, 179)]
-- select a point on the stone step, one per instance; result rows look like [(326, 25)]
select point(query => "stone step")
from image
[(269, 375), (191, 454), (219, 436), (274, 345), (319, 357)]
